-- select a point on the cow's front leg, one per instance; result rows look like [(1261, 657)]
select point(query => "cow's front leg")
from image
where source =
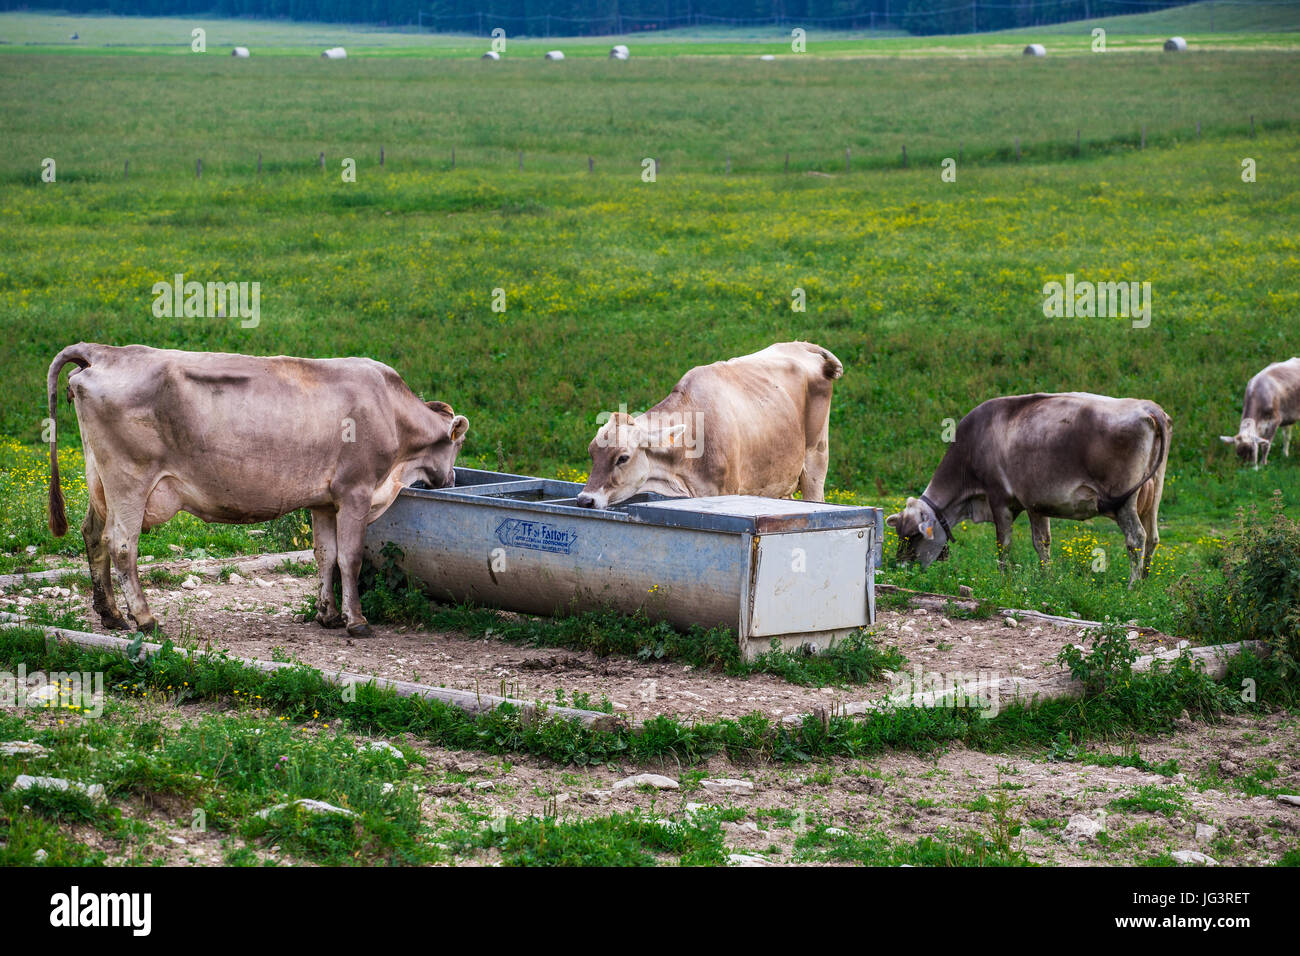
[(1002, 521), (1286, 441), (1135, 537), (1040, 528), (350, 532), (123, 531), (101, 573), (324, 545)]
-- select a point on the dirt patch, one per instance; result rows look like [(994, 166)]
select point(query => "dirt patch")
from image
[(1145, 816), (256, 618)]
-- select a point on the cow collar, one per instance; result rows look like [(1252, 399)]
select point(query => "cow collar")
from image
[(938, 513)]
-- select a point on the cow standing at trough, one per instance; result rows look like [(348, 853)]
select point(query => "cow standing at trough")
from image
[(1071, 455), (238, 439), (753, 425), (1272, 403)]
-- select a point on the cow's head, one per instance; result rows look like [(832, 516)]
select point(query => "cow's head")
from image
[(920, 536), (1248, 442), (435, 465), (620, 459)]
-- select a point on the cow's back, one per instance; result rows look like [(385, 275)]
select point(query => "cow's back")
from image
[(1034, 446), (758, 413), (233, 416)]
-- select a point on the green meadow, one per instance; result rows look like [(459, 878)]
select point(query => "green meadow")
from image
[(929, 291)]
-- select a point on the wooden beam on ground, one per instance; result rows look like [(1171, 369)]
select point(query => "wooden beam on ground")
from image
[(940, 602), (1031, 691), (469, 701), (244, 564)]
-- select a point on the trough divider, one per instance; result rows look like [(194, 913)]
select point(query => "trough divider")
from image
[(470, 701)]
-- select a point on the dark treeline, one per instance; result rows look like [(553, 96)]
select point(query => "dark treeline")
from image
[(578, 17)]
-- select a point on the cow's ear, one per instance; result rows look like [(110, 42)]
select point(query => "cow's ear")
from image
[(459, 426), (442, 407), (894, 520), (927, 529), (670, 437), (1230, 439)]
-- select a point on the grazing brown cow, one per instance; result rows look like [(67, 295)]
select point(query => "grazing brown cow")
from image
[(1071, 455), (754, 425), (1272, 402), (241, 438)]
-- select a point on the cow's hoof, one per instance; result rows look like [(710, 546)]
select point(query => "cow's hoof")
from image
[(110, 623), (359, 630), (146, 626), (331, 622)]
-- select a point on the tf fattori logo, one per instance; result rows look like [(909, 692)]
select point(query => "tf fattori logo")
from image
[(537, 536), (76, 909)]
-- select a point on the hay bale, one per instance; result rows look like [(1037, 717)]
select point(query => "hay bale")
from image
[(554, 54), (491, 55), (1035, 49), (241, 52), (619, 52), (335, 53), (1175, 45)]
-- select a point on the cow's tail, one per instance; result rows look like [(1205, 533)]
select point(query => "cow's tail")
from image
[(80, 354), (1163, 427), (832, 367)]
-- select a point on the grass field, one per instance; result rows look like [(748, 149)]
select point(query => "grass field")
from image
[(929, 291), (1206, 25)]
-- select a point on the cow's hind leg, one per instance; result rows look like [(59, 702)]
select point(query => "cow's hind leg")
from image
[(1040, 529), (123, 531), (1135, 537), (816, 460), (1149, 511), (325, 546), (101, 572), (350, 531)]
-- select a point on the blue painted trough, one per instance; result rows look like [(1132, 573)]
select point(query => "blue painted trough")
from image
[(772, 569)]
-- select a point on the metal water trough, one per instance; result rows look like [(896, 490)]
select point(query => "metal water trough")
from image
[(791, 571)]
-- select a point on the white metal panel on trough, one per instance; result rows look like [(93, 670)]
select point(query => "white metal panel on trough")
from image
[(241, 52), (555, 54), (796, 572), (1035, 49), (619, 52), (1175, 44), (335, 53), (491, 55)]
